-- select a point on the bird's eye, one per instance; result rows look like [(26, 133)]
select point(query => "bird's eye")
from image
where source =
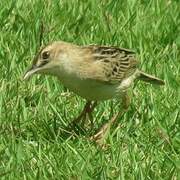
[(45, 55)]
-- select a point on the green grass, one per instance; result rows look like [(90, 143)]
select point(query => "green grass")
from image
[(145, 145)]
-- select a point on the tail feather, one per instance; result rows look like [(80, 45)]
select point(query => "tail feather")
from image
[(149, 78)]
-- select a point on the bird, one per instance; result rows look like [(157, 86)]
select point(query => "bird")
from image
[(94, 72)]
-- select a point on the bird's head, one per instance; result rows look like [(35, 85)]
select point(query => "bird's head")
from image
[(49, 60)]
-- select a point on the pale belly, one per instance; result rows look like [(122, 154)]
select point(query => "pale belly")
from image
[(93, 90)]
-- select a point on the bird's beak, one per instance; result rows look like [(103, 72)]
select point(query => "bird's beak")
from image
[(30, 72)]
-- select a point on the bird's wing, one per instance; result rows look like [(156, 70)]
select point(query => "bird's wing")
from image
[(114, 64)]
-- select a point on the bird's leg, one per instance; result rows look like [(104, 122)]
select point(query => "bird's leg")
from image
[(87, 110), (100, 136)]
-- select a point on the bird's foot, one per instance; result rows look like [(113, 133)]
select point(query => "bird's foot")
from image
[(101, 136), (78, 124)]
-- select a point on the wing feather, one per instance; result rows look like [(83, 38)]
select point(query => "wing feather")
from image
[(117, 63)]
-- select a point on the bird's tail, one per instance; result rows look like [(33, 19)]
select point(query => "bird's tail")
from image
[(149, 78)]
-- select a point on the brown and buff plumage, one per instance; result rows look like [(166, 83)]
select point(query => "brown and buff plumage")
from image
[(93, 72)]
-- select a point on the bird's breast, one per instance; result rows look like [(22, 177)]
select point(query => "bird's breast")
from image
[(90, 89)]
